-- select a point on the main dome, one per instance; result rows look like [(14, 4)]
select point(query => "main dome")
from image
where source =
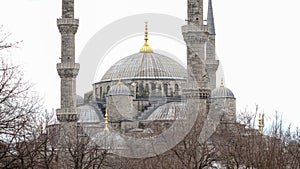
[(145, 66)]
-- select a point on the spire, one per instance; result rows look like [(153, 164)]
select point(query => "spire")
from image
[(120, 82), (260, 123), (41, 128), (146, 48), (222, 83), (106, 121), (210, 19)]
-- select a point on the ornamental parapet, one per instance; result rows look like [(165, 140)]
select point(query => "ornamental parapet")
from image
[(67, 66), (67, 21), (67, 114), (196, 93), (212, 64), (67, 26), (194, 28), (68, 69)]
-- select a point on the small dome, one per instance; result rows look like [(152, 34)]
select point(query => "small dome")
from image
[(119, 89), (222, 92)]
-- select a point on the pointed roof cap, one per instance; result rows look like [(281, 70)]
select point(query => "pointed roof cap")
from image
[(210, 19)]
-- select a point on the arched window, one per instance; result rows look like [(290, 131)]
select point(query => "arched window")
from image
[(153, 86), (96, 92), (100, 92), (141, 89), (146, 91), (107, 89), (176, 89), (166, 89), (159, 87), (136, 88)]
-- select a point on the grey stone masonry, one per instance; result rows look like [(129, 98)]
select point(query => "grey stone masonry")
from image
[(67, 9), (195, 12), (200, 40), (211, 63), (196, 37), (67, 69), (195, 34)]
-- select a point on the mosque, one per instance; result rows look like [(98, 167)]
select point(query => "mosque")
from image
[(144, 93)]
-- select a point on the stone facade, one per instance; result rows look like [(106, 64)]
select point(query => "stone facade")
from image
[(225, 107)]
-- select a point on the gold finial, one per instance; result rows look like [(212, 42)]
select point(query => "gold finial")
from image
[(260, 123), (146, 48), (222, 83), (106, 121), (120, 82), (41, 127)]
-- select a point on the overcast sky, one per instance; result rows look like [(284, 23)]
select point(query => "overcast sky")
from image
[(257, 44)]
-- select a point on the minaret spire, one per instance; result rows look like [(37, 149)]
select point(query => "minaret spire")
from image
[(67, 69), (211, 63), (106, 129), (210, 19)]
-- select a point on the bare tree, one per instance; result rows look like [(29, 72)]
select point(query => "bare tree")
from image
[(5, 43), (18, 109), (245, 147)]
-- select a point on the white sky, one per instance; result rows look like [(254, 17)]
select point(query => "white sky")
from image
[(257, 44)]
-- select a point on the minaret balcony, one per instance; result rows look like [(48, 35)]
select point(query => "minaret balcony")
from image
[(68, 69), (67, 114), (194, 28), (212, 64), (68, 65), (67, 21), (66, 111)]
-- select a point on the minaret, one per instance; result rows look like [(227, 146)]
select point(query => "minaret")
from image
[(67, 69), (195, 34), (211, 63)]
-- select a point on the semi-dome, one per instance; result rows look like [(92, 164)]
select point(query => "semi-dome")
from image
[(169, 111), (89, 114), (79, 100), (222, 92), (144, 66), (119, 89), (109, 140)]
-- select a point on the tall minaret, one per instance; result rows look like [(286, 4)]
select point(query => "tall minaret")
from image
[(67, 69), (211, 63), (195, 34)]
